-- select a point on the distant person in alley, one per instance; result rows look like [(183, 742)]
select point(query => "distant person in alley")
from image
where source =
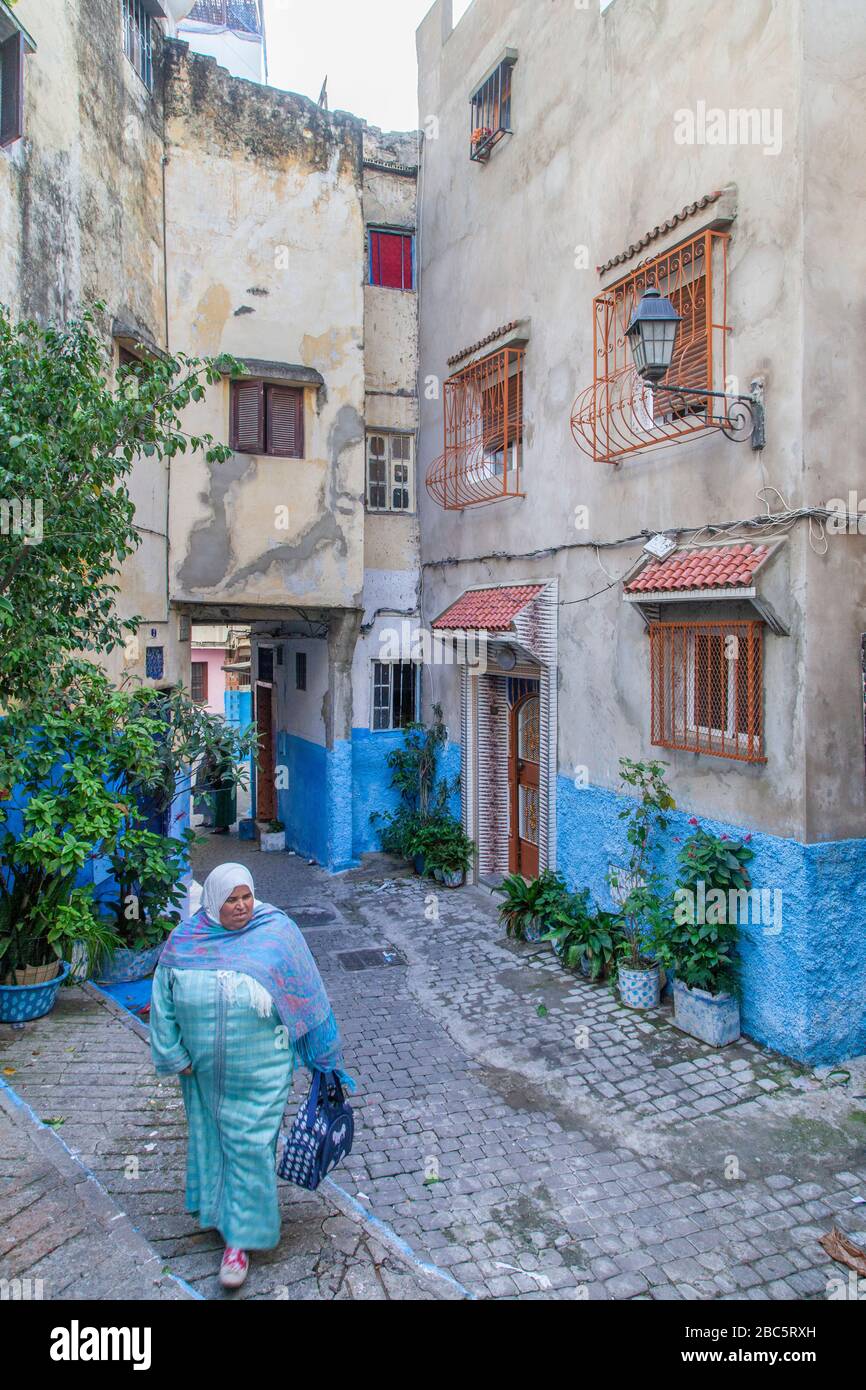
[(237, 1002)]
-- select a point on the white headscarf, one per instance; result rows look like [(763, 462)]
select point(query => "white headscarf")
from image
[(220, 884)]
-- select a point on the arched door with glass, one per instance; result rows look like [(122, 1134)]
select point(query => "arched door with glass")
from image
[(523, 767)]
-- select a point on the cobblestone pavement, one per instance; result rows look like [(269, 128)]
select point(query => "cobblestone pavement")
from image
[(61, 1235), (518, 1128)]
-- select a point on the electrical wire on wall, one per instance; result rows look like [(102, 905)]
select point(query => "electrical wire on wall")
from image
[(710, 533)]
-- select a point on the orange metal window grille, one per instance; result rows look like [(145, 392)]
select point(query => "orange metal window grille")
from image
[(483, 423), (620, 414), (707, 688)]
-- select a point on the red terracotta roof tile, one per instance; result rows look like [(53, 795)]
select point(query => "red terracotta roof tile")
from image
[(488, 610), (713, 567)]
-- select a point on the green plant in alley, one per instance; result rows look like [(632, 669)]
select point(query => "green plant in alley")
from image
[(78, 785), (531, 903), (445, 846), (69, 439), (701, 941), (424, 796), (644, 914)]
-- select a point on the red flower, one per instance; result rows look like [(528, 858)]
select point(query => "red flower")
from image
[(693, 820), (747, 839), (724, 837)]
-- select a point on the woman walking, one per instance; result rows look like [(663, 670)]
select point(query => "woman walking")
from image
[(237, 1002)]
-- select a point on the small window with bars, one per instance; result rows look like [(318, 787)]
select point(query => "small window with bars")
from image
[(490, 111), (300, 670), (198, 682), (389, 472), (707, 688), (267, 419), (396, 694), (138, 39), (392, 259)]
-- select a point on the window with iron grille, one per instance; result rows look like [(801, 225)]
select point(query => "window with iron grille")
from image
[(389, 472), (138, 39), (12, 50), (621, 414), (300, 670), (490, 110), (154, 663), (392, 259), (396, 690), (483, 458), (267, 419), (707, 688), (198, 682)]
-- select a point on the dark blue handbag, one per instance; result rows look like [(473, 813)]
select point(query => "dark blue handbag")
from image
[(321, 1135)]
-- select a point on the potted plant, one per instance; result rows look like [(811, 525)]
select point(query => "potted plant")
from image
[(147, 895), (530, 906), (273, 838), (449, 851), (642, 917), (423, 794), (584, 937), (421, 837), (701, 942)]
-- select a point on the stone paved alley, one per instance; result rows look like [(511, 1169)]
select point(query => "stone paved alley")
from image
[(520, 1133)]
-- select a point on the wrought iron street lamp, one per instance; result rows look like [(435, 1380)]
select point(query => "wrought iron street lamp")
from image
[(652, 334)]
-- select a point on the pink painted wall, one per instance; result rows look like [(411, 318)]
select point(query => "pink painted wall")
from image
[(216, 677)]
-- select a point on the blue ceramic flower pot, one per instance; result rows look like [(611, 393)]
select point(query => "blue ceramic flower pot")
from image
[(124, 966), (21, 1003), (712, 1018), (639, 989)]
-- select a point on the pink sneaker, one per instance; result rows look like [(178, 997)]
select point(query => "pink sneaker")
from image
[(234, 1268)]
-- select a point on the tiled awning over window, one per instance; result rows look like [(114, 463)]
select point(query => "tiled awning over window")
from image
[(487, 610), (710, 567)]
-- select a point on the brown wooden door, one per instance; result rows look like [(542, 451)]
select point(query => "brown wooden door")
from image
[(524, 757), (266, 797)]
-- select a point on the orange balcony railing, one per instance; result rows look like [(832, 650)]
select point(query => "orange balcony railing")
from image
[(483, 425), (619, 414)]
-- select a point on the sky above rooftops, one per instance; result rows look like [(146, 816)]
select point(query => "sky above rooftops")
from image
[(366, 48)]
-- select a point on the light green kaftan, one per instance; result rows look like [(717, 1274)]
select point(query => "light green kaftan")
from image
[(241, 1076)]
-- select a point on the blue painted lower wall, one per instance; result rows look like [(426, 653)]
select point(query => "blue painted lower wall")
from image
[(372, 781), (804, 987), (302, 804)]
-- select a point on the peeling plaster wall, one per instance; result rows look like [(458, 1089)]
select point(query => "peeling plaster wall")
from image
[(81, 221), (265, 236)]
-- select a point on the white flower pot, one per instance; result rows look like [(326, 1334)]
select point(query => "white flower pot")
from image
[(639, 989), (271, 841), (712, 1018)]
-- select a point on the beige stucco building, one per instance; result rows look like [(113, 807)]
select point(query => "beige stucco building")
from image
[(573, 157)]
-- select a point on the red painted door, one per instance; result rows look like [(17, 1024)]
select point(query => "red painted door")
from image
[(524, 759)]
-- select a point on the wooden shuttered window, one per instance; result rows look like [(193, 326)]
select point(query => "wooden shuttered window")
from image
[(285, 421), (248, 417), (391, 260), (267, 419), (198, 681), (12, 89)]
